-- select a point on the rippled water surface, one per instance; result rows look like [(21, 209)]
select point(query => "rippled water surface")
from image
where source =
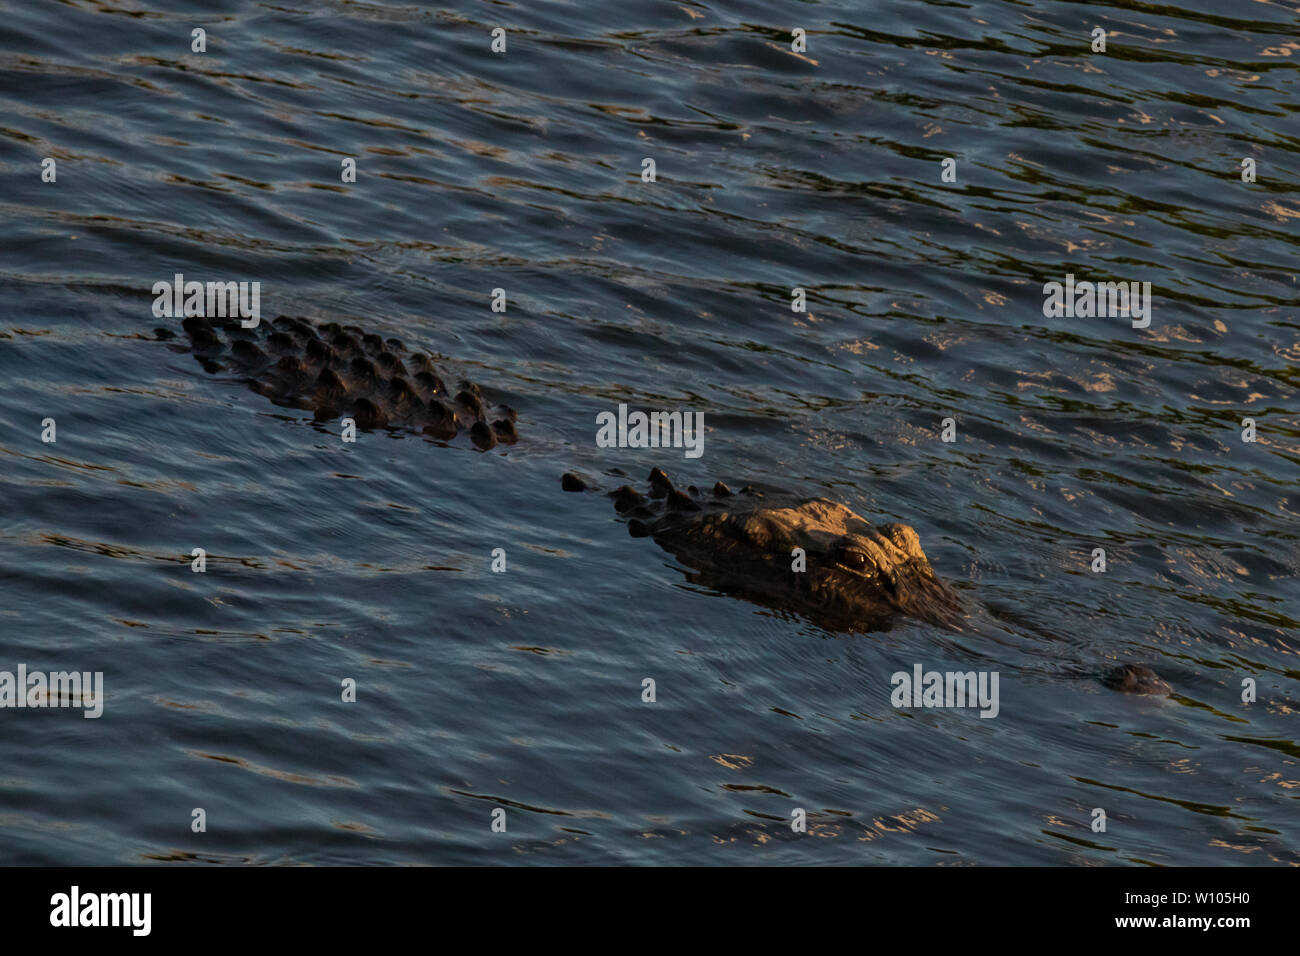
[(775, 170)]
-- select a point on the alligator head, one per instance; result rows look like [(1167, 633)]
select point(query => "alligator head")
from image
[(813, 557)]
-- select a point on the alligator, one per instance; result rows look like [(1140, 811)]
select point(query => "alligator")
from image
[(815, 557)]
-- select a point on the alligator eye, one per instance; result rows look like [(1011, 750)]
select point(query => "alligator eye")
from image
[(852, 559)]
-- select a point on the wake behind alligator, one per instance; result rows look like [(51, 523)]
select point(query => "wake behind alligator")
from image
[(813, 557)]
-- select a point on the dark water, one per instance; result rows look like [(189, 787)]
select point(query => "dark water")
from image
[(521, 171)]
